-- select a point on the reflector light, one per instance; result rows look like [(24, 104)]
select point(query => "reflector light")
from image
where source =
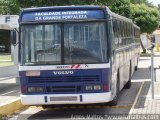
[(105, 87), (97, 87), (23, 89)]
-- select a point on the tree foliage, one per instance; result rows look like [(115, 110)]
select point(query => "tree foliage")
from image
[(42, 3), (139, 1), (145, 17), (141, 12), (9, 7), (121, 7)]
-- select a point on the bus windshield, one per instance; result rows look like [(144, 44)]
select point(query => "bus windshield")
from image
[(79, 42)]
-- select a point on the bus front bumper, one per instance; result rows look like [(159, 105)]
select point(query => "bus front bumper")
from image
[(49, 99)]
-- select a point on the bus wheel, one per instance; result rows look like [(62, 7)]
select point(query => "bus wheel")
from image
[(115, 99), (128, 84), (135, 68)]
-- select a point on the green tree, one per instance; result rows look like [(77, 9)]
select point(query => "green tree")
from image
[(142, 2), (42, 3), (144, 16), (9, 7), (121, 7), (138, 1)]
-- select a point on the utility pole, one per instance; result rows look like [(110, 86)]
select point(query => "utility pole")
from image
[(152, 64), (152, 71)]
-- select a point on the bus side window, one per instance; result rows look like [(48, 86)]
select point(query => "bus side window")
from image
[(119, 33), (111, 27), (115, 31)]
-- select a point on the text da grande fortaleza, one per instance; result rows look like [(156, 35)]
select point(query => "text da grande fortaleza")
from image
[(61, 15)]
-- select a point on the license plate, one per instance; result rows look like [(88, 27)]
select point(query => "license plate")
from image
[(64, 98)]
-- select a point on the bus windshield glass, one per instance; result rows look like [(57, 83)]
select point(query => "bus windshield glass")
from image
[(53, 44)]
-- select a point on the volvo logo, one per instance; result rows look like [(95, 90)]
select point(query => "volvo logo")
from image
[(62, 72)]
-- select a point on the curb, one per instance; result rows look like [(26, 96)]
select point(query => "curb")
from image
[(11, 107), (136, 99)]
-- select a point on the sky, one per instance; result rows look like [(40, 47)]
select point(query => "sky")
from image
[(155, 2)]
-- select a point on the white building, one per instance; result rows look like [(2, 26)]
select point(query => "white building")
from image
[(145, 41), (156, 33), (8, 22)]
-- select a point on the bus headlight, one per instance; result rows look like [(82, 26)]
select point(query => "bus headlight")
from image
[(97, 87), (93, 87), (31, 89), (39, 89), (89, 87), (35, 89)]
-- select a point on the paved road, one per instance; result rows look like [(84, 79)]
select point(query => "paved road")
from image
[(9, 89), (126, 100), (9, 71)]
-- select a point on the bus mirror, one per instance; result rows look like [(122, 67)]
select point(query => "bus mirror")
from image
[(13, 37)]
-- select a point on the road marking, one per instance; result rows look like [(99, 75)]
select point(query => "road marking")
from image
[(8, 92), (135, 81), (136, 99)]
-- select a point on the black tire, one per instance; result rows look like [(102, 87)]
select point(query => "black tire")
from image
[(115, 99), (135, 68), (47, 106), (128, 84)]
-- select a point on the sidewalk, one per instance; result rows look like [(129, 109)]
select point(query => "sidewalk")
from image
[(145, 104), (9, 90), (9, 96)]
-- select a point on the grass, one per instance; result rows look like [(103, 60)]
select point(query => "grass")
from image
[(3, 64), (3, 117), (5, 60), (145, 54), (5, 57)]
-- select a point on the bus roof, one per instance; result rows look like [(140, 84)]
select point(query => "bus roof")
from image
[(72, 7), (136, 26), (75, 7), (118, 16), (61, 13)]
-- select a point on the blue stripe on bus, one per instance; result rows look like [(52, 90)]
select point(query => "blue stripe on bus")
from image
[(104, 77)]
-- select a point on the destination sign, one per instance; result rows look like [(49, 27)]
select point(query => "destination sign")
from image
[(62, 15)]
